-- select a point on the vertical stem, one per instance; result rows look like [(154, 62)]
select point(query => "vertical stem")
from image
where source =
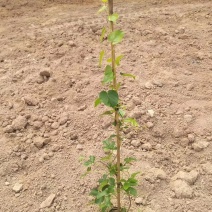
[(118, 140)]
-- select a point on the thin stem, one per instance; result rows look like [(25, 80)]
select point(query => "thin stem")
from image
[(118, 138), (129, 203)]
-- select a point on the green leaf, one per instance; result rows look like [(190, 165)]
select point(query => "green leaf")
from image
[(109, 98), (132, 191), (113, 17), (101, 55), (113, 98), (90, 161), (116, 36), (131, 121), (104, 1), (94, 192), (97, 102), (108, 77), (109, 145), (102, 9), (128, 75), (134, 174), (98, 201), (118, 59), (109, 112), (126, 185), (103, 34), (103, 96), (129, 160), (107, 158), (109, 60), (121, 112)]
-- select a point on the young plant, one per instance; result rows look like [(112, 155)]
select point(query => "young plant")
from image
[(117, 179)]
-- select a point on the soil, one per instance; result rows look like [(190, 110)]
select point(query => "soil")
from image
[(49, 79)]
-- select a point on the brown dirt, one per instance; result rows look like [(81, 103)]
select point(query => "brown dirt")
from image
[(49, 79)]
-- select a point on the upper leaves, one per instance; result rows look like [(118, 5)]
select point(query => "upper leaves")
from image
[(116, 36), (90, 161), (101, 55), (113, 17), (102, 9), (108, 77), (109, 98)]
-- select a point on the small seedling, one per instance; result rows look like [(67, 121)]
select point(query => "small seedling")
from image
[(117, 180)]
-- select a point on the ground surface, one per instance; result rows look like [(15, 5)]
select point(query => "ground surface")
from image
[(49, 79)]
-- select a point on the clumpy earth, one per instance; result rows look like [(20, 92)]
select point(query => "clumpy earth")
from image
[(49, 78)]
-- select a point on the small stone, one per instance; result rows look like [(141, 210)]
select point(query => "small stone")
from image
[(189, 177), (8, 129), (181, 189), (30, 101), (71, 43), (79, 147), (207, 167), (82, 108), (190, 87), (135, 143), (63, 120), (7, 183), (37, 125), (200, 145), (45, 74), (188, 118), (151, 113), (48, 202), (45, 156), (41, 159), (191, 138), (136, 101), (140, 201), (17, 187), (147, 146), (158, 83), (149, 124), (38, 142), (55, 125), (154, 174), (19, 123), (184, 142), (149, 85)]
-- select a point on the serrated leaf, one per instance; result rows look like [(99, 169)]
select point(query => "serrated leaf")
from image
[(102, 9), (129, 160), (109, 98), (97, 102), (131, 121), (107, 158), (103, 96), (128, 75), (113, 17), (109, 112), (116, 36), (101, 55), (103, 34), (118, 59), (113, 98), (109, 145), (134, 174), (94, 192), (132, 191), (126, 185), (121, 112), (108, 75), (90, 161)]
